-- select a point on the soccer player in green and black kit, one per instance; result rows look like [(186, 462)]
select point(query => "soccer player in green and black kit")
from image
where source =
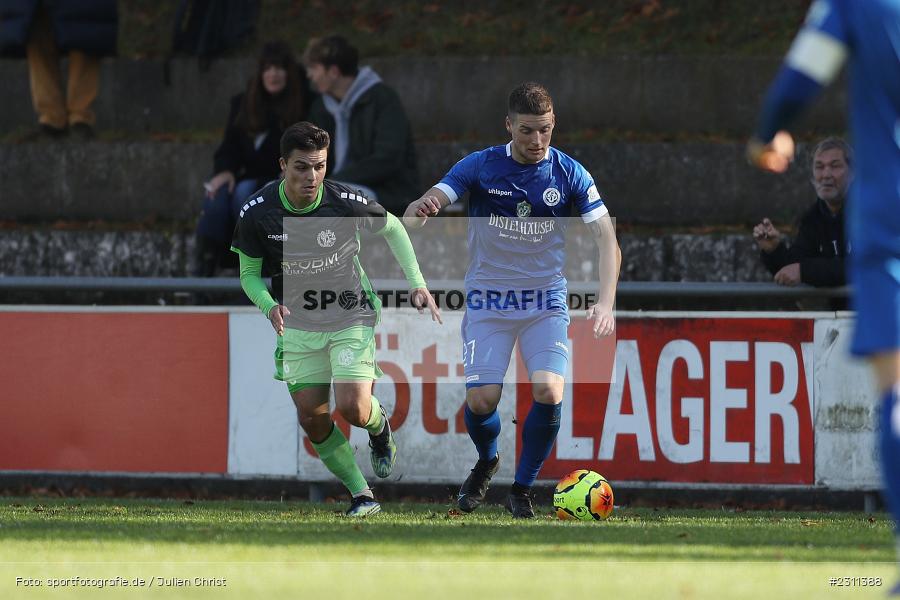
[(304, 232)]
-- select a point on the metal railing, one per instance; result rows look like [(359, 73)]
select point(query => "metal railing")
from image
[(658, 289)]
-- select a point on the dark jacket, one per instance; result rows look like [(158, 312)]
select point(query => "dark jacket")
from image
[(819, 247), (381, 153), (238, 154), (87, 25)]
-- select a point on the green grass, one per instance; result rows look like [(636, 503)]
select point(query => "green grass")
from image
[(302, 550), (498, 27)]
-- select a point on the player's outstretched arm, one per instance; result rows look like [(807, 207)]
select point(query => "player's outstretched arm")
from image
[(814, 60), (609, 261), (253, 285), (429, 205), (403, 251)]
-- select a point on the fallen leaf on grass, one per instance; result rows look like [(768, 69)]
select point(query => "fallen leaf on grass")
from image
[(809, 522)]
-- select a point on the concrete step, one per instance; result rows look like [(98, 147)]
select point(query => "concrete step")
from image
[(664, 184), (462, 97)]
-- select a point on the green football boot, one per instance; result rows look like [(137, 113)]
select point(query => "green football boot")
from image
[(383, 449)]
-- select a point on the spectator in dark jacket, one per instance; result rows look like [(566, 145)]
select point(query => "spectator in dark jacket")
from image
[(277, 96), (816, 256), (86, 31), (371, 138)]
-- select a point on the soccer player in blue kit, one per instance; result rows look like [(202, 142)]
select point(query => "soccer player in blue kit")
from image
[(520, 196), (866, 33)]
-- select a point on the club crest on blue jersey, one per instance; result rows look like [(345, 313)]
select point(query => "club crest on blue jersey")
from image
[(523, 208), (552, 196)]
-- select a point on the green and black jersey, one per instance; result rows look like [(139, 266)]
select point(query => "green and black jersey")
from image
[(312, 255)]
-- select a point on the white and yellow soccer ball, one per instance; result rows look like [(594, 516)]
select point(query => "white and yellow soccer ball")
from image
[(583, 495)]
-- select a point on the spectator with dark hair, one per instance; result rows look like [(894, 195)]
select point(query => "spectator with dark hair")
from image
[(816, 256), (86, 31), (276, 97), (372, 144)]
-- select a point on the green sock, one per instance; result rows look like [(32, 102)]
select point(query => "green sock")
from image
[(375, 424), (337, 455)]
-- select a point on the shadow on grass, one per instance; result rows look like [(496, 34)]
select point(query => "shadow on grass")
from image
[(428, 531)]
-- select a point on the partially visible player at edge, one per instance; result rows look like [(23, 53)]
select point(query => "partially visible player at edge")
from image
[(867, 32), (525, 179), (303, 231)]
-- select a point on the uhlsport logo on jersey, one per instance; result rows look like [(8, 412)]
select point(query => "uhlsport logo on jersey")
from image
[(345, 357), (326, 238), (552, 196), (523, 208)]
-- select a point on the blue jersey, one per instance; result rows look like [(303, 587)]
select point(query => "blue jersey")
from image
[(866, 33), (518, 215)]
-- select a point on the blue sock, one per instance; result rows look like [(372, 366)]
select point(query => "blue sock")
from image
[(538, 435), (484, 431), (890, 452)]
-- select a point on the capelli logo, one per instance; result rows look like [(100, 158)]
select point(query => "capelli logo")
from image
[(280, 237)]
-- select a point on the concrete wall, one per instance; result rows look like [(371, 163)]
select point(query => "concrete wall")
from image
[(462, 97), (648, 257), (643, 183)]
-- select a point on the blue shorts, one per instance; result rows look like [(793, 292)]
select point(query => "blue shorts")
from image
[(876, 300), (489, 336)]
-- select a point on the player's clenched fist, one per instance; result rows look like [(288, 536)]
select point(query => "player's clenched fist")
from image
[(418, 212)]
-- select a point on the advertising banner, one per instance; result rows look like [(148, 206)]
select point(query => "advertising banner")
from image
[(690, 398), (694, 400), (114, 391)]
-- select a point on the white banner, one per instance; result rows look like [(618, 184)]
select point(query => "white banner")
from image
[(846, 412), (431, 437), (264, 438)]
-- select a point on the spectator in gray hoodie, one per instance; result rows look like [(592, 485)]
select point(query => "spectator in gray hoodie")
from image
[(371, 136)]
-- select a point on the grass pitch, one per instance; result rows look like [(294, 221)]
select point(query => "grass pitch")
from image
[(235, 549)]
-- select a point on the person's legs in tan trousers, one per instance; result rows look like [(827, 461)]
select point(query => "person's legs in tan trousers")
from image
[(45, 75), (54, 109), (84, 79)]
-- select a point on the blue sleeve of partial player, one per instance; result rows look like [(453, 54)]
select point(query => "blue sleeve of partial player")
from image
[(789, 94), (829, 17), (461, 177), (815, 58)]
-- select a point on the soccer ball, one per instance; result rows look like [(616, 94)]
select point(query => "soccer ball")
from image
[(583, 495)]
